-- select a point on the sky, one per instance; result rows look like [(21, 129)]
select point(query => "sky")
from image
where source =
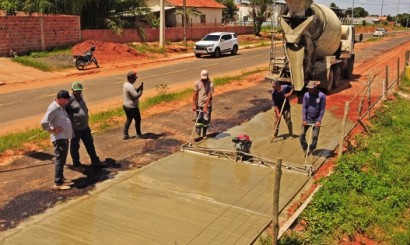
[(373, 7)]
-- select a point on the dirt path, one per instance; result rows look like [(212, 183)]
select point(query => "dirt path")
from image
[(25, 184)]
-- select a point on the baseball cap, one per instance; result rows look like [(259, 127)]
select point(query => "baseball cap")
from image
[(311, 84), (275, 82), (77, 86), (204, 74), (63, 94), (132, 74)]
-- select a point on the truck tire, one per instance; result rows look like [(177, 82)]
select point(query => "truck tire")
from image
[(217, 53), (329, 84), (348, 72), (198, 55), (337, 80)]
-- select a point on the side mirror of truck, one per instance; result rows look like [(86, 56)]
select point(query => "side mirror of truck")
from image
[(359, 38)]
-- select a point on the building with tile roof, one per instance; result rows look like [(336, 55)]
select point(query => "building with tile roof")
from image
[(210, 12)]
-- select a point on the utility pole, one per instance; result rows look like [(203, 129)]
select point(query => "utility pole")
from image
[(397, 15), (352, 12), (184, 19), (161, 24)]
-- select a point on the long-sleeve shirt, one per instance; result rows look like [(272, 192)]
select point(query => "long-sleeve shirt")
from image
[(130, 95), (313, 107), (78, 113), (57, 117)]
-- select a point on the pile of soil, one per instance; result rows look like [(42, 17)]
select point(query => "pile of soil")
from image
[(107, 51)]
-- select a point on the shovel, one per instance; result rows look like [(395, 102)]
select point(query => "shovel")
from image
[(278, 122)]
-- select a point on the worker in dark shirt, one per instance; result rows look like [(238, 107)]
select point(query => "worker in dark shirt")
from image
[(77, 111), (313, 109), (281, 94)]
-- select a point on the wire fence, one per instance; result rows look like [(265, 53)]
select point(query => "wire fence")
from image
[(361, 106)]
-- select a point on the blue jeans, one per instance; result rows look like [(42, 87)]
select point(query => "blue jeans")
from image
[(315, 136), (86, 137), (60, 151)]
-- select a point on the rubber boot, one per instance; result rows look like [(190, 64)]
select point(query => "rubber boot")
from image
[(290, 128), (204, 129)]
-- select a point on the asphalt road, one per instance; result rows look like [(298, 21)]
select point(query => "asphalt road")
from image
[(22, 105)]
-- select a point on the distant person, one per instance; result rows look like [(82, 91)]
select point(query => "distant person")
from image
[(78, 113), (131, 96), (313, 109), (202, 104), (57, 123), (281, 93)]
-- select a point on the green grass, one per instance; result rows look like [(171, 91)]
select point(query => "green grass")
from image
[(369, 192), (102, 121), (53, 60), (145, 48)]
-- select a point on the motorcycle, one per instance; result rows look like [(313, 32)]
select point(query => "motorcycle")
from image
[(83, 60)]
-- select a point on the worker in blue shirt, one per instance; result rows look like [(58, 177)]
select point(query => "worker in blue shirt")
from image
[(313, 109)]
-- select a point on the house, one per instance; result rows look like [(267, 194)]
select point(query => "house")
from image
[(210, 12)]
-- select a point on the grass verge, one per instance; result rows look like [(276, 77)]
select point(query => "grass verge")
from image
[(107, 119), (367, 198), (54, 60)]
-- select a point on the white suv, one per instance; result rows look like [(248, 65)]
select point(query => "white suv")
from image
[(379, 32), (216, 43)]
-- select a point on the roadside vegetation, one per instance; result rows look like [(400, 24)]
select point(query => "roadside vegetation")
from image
[(367, 198), (20, 141), (54, 60)]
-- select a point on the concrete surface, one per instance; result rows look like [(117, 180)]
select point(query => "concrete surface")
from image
[(185, 198)]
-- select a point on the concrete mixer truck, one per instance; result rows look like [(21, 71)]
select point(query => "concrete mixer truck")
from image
[(317, 46)]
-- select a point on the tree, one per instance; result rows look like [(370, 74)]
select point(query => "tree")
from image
[(190, 13), (357, 12), (10, 7), (229, 13), (259, 12), (337, 10)]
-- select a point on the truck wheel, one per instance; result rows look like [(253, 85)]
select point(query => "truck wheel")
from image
[(198, 55), (234, 50), (217, 53), (330, 80), (337, 81), (348, 72)]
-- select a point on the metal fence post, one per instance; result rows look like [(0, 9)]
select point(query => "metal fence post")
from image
[(342, 133), (275, 213)]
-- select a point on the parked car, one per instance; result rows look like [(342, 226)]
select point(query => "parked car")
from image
[(216, 43), (379, 32)]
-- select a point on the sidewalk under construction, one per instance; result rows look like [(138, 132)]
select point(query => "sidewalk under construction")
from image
[(190, 197)]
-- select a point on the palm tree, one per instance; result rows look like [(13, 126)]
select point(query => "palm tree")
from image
[(191, 12)]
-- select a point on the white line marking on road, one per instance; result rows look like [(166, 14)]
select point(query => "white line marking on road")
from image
[(238, 59), (210, 65)]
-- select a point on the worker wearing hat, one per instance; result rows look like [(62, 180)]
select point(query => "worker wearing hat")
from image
[(77, 111), (202, 104), (57, 123), (280, 99), (313, 109), (131, 97)]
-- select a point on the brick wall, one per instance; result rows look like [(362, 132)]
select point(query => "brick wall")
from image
[(152, 35), (35, 33)]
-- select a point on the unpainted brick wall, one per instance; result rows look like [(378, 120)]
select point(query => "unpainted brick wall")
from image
[(36, 33), (152, 34)]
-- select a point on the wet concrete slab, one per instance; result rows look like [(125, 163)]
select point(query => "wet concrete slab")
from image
[(185, 198)]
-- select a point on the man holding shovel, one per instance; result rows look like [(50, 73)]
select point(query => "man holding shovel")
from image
[(280, 98)]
